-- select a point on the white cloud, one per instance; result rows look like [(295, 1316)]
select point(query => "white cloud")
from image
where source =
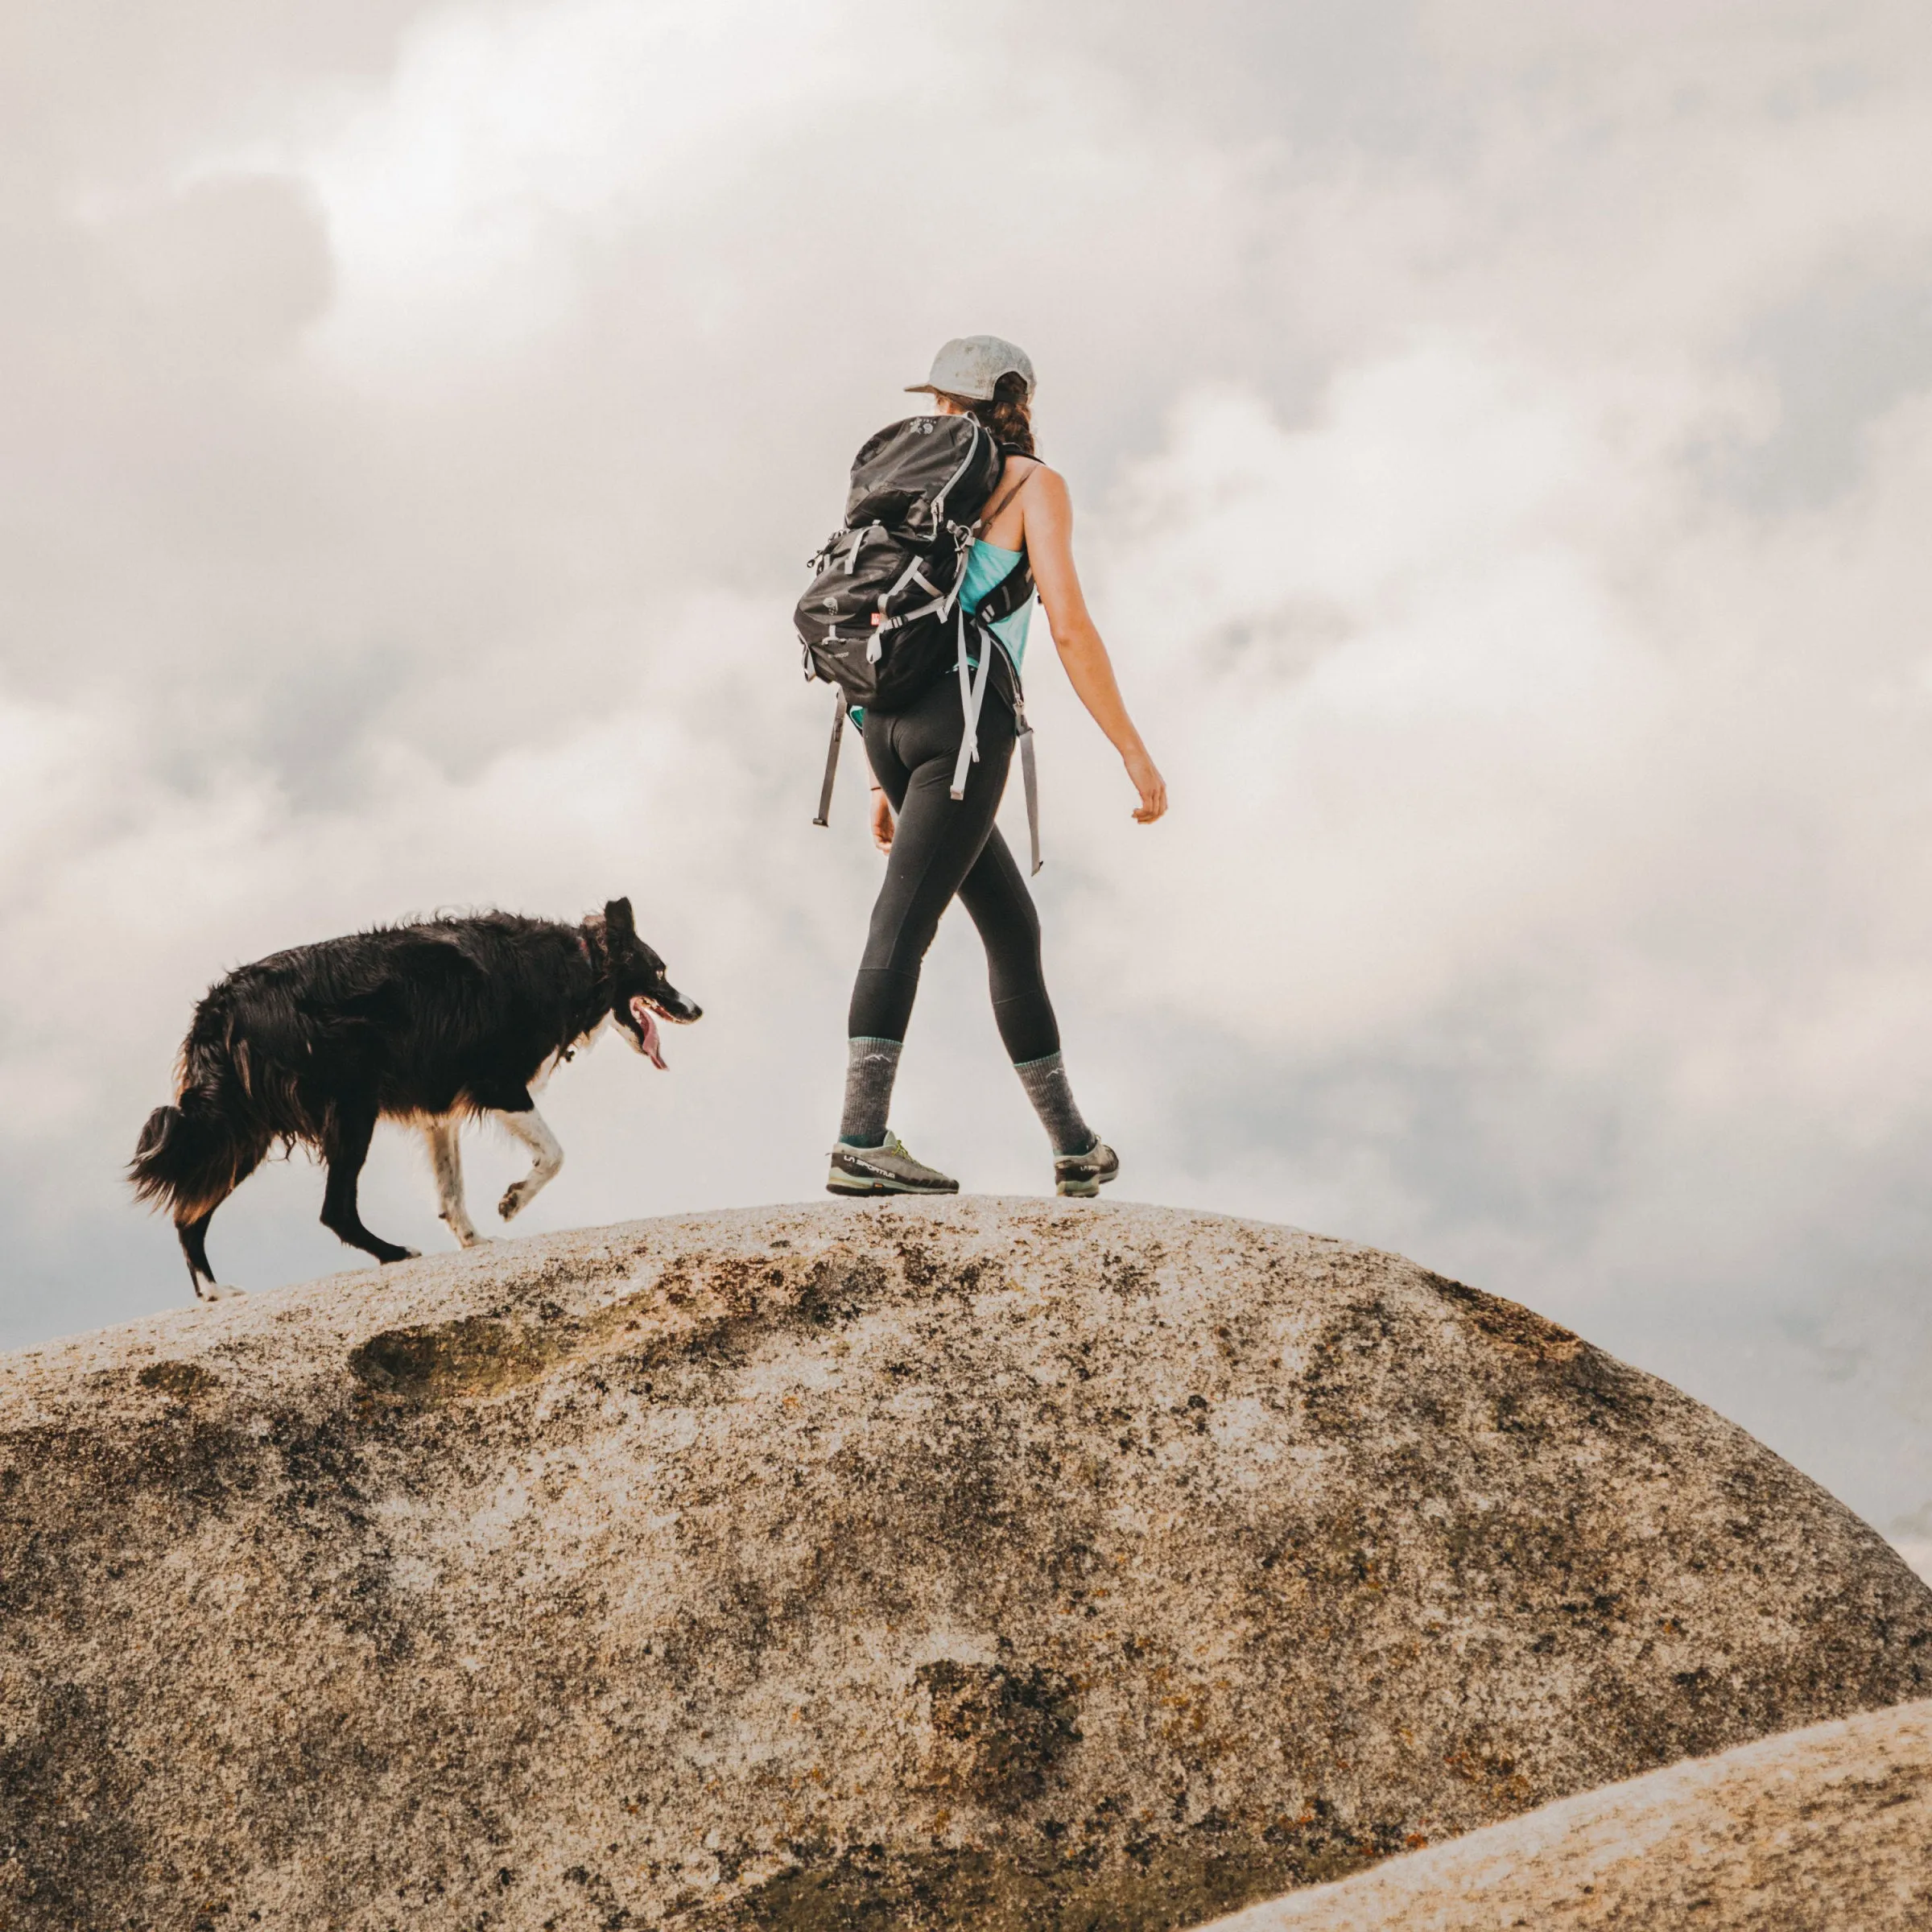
[(510, 138), (1396, 686)]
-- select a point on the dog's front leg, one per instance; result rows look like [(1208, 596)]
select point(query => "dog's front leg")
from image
[(547, 1157), (446, 1162)]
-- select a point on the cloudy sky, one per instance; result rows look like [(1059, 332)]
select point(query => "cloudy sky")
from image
[(1502, 436)]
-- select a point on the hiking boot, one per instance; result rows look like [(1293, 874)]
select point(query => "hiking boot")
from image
[(886, 1169), (1084, 1175)]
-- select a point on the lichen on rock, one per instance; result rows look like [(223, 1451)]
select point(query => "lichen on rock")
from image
[(981, 1563)]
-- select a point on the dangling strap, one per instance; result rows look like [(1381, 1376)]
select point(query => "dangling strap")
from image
[(832, 761), (1031, 779), (972, 693)]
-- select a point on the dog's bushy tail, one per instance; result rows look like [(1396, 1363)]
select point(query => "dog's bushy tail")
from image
[(192, 1155), (189, 1160)]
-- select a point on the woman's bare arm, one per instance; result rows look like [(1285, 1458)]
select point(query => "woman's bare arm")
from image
[(1047, 513)]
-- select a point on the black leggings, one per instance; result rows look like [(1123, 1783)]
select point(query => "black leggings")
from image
[(942, 846)]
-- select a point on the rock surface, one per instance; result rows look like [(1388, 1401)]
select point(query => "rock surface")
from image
[(1003, 1564), (1820, 1831)]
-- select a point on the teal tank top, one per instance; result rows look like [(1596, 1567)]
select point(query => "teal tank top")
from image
[(988, 566)]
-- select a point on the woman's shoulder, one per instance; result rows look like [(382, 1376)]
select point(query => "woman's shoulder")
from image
[(1018, 477), (1044, 487), (1029, 474), (1029, 495)]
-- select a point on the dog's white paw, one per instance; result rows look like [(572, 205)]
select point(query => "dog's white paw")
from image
[(468, 1236), (213, 1291), (511, 1202)]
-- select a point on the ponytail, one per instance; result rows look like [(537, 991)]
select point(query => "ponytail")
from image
[(1007, 417)]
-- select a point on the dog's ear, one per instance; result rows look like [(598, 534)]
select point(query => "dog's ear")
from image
[(617, 918)]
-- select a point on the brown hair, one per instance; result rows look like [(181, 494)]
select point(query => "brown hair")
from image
[(1007, 416)]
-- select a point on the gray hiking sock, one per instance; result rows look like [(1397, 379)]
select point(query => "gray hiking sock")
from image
[(1051, 1093), (870, 1068)]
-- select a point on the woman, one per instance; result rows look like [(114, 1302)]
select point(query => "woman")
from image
[(938, 847)]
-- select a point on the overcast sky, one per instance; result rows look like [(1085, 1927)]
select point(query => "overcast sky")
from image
[(1502, 438)]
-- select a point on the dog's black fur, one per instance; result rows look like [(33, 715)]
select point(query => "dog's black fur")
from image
[(453, 1016)]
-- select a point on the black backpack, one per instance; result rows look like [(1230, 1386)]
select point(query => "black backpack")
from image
[(911, 515)]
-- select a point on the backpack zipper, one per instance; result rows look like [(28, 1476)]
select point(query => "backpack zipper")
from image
[(972, 449)]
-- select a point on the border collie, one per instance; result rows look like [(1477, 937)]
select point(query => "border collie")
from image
[(426, 1023)]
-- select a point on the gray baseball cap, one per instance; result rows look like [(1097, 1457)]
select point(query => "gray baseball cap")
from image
[(971, 366)]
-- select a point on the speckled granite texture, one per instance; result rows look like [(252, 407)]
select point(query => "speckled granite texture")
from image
[(1001, 1564), (1826, 1830)]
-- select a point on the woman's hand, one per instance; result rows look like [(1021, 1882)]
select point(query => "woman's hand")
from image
[(1149, 783), (881, 816)]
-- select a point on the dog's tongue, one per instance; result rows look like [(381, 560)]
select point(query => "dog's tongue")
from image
[(647, 1026)]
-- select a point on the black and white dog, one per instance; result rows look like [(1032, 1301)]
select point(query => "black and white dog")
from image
[(425, 1023)]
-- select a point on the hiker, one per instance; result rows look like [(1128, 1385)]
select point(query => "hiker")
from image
[(955, 510)]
